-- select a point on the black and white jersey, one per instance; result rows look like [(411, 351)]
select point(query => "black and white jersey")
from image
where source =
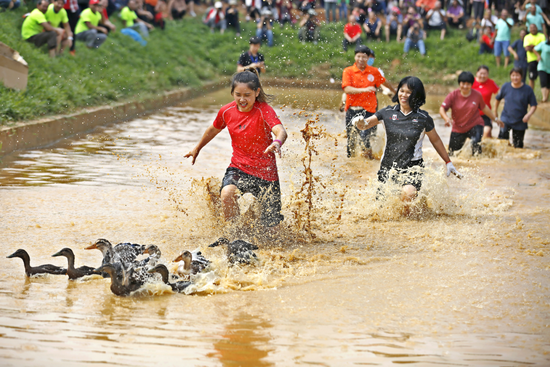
[(404, 135)]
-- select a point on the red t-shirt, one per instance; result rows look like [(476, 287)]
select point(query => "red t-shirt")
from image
[(487, 90), (352, 30), (250, 136), (487, 40), (465, 110)]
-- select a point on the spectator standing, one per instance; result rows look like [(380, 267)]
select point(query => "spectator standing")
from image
[(518, 98), (542, 50), (88, 29), (373, 26), (131, 20), (455, 15), (73, 13), (424, 6), (437, 20), (330, 8), (352, 33), (410, 19), (57, 17), (533, 17), (309, 27), (486, 41), (394, 24), (520, 55), (360, 82), (38, 31), (264, 28), (232, 17), (415, 39), (215, 17), (286, 13), (529, 42), (466, 121), (503, 30), (487, 87), (489, 20), (533, 3), (252, 58), (343, 9), (10, 4), (103, 4)]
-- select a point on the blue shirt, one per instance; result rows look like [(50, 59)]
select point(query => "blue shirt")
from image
[(522, 54), (516, 103)]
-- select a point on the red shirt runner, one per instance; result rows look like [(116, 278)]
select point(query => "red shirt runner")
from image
[(487, 90), (250, 136), (465, 110)]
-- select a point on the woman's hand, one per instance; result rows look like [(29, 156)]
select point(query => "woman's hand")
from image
[(451, 169), (449, 122), (274, 148), (526, 118), (193, 153)]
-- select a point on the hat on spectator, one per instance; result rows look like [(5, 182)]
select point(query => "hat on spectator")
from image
[(232, 2), (218, 5), (363, 49), (255, 40), (396, 10), (94, 2)]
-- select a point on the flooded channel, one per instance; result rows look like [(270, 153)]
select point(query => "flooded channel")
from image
[(461, 279)]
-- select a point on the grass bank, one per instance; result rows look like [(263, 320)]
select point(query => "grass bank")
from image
[(186, 54)]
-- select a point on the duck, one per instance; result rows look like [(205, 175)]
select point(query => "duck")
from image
[(163, 271), (193, 263), (40, 269), (154, 255), (122, 282), (124, 253), (72, 272), (238, 251)]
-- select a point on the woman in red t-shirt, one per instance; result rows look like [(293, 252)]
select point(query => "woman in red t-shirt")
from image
[(487, 87), (250, 122)]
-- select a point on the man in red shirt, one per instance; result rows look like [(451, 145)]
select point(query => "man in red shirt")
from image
[(466, 121), (352, 33), (487, 87), (360, 82)]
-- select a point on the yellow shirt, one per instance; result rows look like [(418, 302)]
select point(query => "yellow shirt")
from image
[(531, 40)]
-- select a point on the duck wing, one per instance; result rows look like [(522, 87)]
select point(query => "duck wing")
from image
[(241, 252), (128, 252), (85, 270), (48, 269)]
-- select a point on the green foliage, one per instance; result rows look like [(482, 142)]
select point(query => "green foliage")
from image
[(186, 54)]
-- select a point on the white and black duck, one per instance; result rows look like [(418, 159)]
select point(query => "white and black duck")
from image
[(238, 252), (161, 269)]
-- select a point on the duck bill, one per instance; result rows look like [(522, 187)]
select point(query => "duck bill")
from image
[(57, 254), (92, 247), (11, 256), (100, 269), (179, 258), (152, 270), (146, 251)]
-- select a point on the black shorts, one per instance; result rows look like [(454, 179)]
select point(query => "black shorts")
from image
[(45, 37), (543, 79), (487, 121), (532, 70), (268, 193), (404, 176)]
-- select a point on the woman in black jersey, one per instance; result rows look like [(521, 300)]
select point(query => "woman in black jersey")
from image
[(405, 125)]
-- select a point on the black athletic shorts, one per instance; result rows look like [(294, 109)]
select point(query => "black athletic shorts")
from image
[(268, 193), (532, 70), (487, 121), (543, 79), (404, 176)]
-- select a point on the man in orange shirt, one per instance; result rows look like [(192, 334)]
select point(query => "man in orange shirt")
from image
[(360, 82)]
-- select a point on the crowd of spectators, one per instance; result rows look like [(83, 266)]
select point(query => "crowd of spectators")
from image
[(486, 22)]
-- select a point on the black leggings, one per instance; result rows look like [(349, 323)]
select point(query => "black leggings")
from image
[(458, 139), (517, 135)]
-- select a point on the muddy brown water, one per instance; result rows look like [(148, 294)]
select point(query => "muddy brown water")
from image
[(459, 279)]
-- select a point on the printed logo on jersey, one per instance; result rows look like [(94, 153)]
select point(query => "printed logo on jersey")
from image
[(394, 117), (415, 120), (473, 103), (370, 78)]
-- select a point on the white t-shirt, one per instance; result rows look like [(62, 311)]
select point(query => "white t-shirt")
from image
[(435, 18)]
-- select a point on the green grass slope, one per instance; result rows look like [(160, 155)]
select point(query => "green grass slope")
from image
[(186, 54)]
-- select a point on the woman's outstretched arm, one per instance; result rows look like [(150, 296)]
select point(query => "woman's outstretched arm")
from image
[(209, 134)]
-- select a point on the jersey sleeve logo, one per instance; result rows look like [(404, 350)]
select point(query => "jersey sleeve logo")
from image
[(370, 78)]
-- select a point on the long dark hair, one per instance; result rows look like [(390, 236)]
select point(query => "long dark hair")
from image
[(251, 78), (418, 94)]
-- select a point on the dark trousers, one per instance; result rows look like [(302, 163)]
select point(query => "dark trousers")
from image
[(346, 43), (458, 139), (517, 135), (352, 132), (73, 19)]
